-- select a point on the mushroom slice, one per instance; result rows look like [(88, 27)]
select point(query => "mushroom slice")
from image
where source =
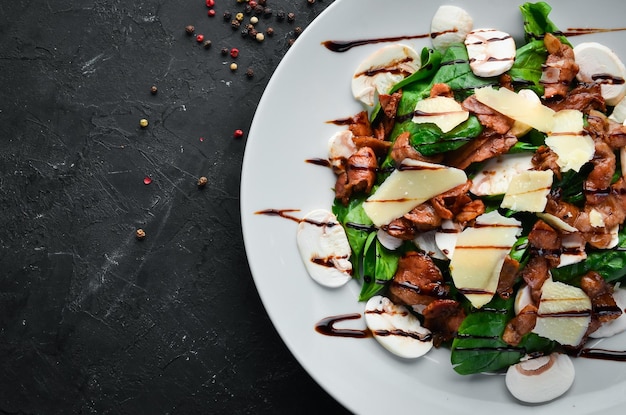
[(598, 63), (324, 248), (380, 71), (340, 147), (390, 242), (541, 379), (396, 329), (447, 236), (491, 52), (450, 24), (617, 325)]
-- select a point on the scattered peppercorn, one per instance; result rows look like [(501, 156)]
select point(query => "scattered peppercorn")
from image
[(140, 234), (239, 17), (252, 3), (233, 66), (234, 52), (311, 1), (202, 181), (245, 33), (262, 2), (291, 41), (207, 44), (211, 13), (260, 37), (269, 31), (199, 38), (280, 15), (143, 123), (224, 51), (258, 10), (210, 3), (267, 12), (254, 20), (291, 17), (227, 15), (247, 9), (238, 133), (235, 24), (153, 90), (250, 72), (190, 30)]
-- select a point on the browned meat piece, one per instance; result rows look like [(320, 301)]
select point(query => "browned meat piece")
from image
[(506, 81), (508, 275), (389, 105), (535, 273), (360, 125), (601, 294), (584, 98), (424, 218), (401, 228), (545, 159), (487, 116), (441, 90), (360, 175), (560, 68), (598, 181), (443, 318), (487, 145), (543, 236), (417, 281), (450, 203), (470, 211), (402, 149), (616, 134), (520, 325), (380, 147)]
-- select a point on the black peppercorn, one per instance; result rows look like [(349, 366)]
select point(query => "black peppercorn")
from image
[(280, 15), (250, 73), (153, 90), (297, 31), (227, 15), (224, 51), (207, 44), (291, 17), (190, 30), (235, 24), (267, 12)]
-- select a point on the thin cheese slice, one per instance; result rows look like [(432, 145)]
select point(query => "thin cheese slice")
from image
[(413, 183), (479, 254), (528, 191), (517, 106)]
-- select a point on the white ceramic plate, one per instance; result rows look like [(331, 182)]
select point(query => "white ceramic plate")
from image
[(310, 87)]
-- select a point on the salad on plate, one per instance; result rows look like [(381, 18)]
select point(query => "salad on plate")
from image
[(480, 200)]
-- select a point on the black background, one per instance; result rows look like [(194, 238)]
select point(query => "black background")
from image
[(93, 320)]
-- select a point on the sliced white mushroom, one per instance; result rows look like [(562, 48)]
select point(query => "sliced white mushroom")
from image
[(622, 158), (491, 52), (340, 147), (444, 112), (390, 242), (447, 236), (396, 329), (449, 25), (573, 249), (617, 325), (497, 173), (619, 112), (380, 71), (598, 63), (324, 248), (522, 299), (426, 241), (540, 379)]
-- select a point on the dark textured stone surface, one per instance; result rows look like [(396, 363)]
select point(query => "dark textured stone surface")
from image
[(93, 320)]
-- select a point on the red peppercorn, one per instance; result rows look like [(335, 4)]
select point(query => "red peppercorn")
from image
[(238, 133), (234, 52), (200, 38), (252, 3), (211, 12), (210, 3)]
